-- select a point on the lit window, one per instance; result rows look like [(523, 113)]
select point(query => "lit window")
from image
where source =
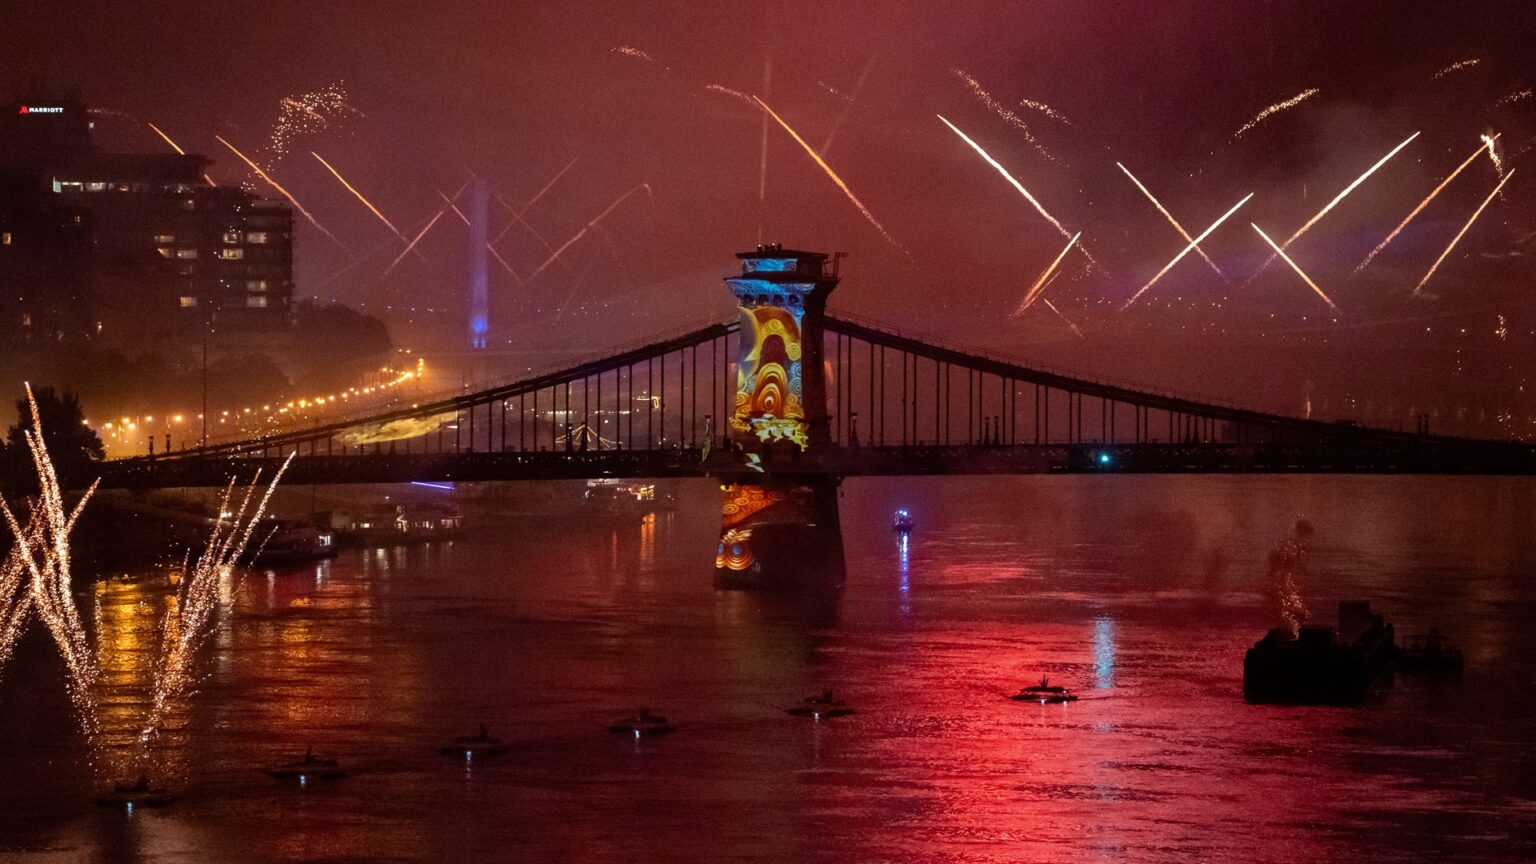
[(26, 319), (166, 251), (5, 239), (258, 237), (95, 187), (186, 253), (231, 236), (165, 238), (256, 301), (231, 254), (71, 186), (187, 301), (188, 204), (256, 285)]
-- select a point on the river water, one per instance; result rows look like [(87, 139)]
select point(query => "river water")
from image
[(1141, 593)]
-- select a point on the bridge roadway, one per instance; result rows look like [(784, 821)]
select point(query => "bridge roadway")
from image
[(1375, 454)]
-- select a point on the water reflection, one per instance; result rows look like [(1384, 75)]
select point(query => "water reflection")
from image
[(1103, 652)]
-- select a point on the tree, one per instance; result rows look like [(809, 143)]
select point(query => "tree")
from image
[(73, 446)]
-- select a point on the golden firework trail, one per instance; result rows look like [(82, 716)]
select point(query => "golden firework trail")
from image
[(307, 113), (1294, 266), (1458, 65), (1169, 216), (186, 626), (1514, 97), (15, 596), (1046, 110), (284, 192), (852, 97), (1277, 107), (1035, 289), (1487, 142), (1493, 153), (1039, 208), (835, 179), (517, 219), (735, 94), (350, 188), (414, 240), (177, 148), (1457, 239), (636, 53), (1001, 111), (453, 206), (585, 228), (517, 215), (1179, 257), (45, 555), (1052, 306), (1331, 204)]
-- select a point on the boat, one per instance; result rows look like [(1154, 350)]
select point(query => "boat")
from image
[(1427, 653), (610, 500), (136, 794), (641, 723), (302, 768), (291, 541), (398, 524), (1045, 693), (482, 744), (903, 522), (821, 706), (1320, 665)]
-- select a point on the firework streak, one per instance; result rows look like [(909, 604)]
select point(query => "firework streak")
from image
[(1172, 221), (1001, 111), (1052, 306), (350, 188), (1331, 204), (555, 255), (1457, 239), (177, 148), (1039, 286), (281, 191), (1294, 266), (1017, 185), (414, 240), (833, 174), (1458, 65), (1275, 108), (1487, 143), (1192, 244)]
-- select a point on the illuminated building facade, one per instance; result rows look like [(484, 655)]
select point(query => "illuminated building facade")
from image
[(169, 254), (773, 531)]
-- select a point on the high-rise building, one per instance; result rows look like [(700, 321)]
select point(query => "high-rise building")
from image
[(167, 253)]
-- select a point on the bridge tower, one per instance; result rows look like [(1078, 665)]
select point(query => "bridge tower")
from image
[(779, 520)]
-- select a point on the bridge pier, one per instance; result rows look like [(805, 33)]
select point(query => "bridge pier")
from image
[(778, 529)]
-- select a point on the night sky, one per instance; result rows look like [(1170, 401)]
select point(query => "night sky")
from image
[(513, 91)]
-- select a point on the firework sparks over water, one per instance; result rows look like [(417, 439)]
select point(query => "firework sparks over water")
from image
[(555, 255), (1187, 249), (1275, 109), (1039, 208), (45, 555), (306, 114), (1487, 143), (187, 624), (1294, 266), (280, 190), (1001, 111), (835, 179), (15, 596), (1457, 239), (1458, 66), (1172, 221), (1040, 283), (1331, 204), (350, 188)]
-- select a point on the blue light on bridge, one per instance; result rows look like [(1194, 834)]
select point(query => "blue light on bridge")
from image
[(1103, 457), (445, 487)]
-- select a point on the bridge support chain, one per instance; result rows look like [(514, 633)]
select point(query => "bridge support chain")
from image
[(780, 534)]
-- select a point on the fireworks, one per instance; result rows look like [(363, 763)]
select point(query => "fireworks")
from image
[(1046, 110), (553, 256), (1017, 185), (1287, 565), (735, 94), (636, 53), (835, 179), (1276, 108), (15, 596), (1002, 111), (1294, 266), (852, 97), (1457, 66), (1192, 244), (350, 188), (186, 626), (1040, 283), (1169, 216), (1487, 142), (44, 554), (517, 215), (1052, 306), (414, 240), (1331, 204), (306, 114), (1457, 239), (176, 147), (1514, 97), (281, 191)]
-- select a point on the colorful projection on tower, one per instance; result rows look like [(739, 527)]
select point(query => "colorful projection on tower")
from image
[(741, 504), (769, 390)]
